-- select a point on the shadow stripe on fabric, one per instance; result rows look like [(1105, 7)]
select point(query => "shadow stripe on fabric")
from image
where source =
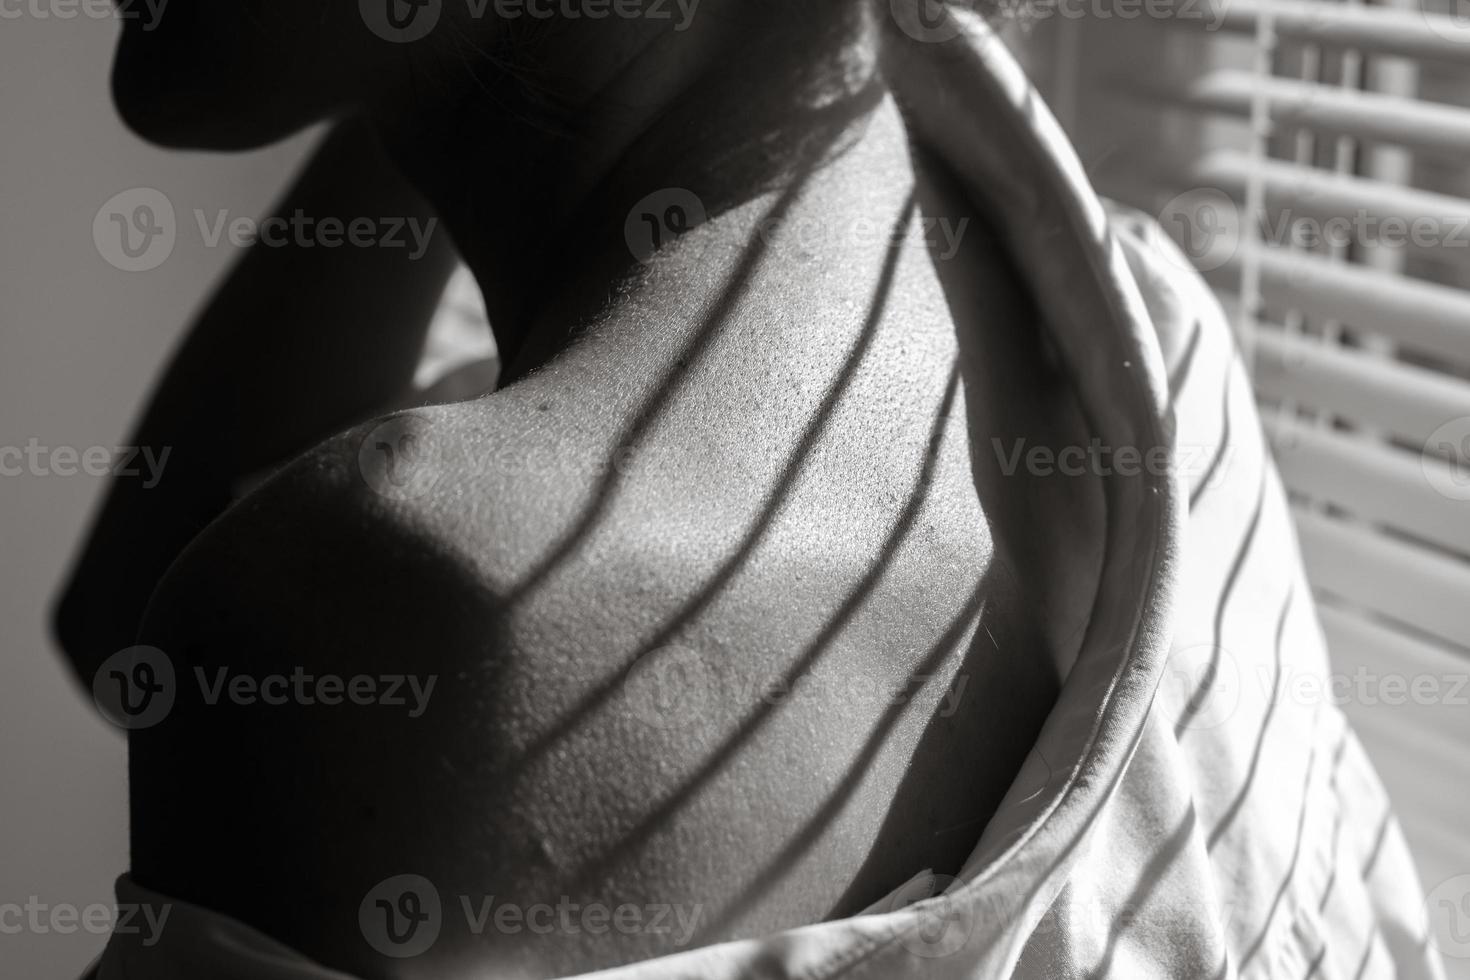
[(1196, 700), (1219, 457), (1367, 953), (1296, 853), (1378, 839), (1332, 877), (1337, 755), (1238, 802), (1153, 873), (1316, 963), (1186, 361)]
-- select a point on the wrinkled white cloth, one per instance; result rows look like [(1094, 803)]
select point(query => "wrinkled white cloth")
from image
[(1179, 815)]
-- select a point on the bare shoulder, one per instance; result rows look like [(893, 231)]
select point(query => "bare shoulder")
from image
[(494, 647), (313, 632)]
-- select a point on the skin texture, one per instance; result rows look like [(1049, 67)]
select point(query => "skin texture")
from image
[(755, 456)]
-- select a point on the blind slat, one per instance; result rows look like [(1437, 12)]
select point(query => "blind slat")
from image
[(1310, 191), (1359, 639), (1405, 400), (1409, 584), (1373, 481), (1432, 318), (1372, 29), (1326, 108), (1406, 699)]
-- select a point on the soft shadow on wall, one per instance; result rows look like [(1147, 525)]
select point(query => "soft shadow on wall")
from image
[(82, 343)]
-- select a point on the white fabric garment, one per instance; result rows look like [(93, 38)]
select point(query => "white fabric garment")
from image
[(1180, 815)]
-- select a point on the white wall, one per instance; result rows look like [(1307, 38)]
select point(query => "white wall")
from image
[(79, 344)]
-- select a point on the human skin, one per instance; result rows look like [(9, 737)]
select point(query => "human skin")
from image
[(765, 453)]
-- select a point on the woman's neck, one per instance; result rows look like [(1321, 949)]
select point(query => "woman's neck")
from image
[(539, 189)]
